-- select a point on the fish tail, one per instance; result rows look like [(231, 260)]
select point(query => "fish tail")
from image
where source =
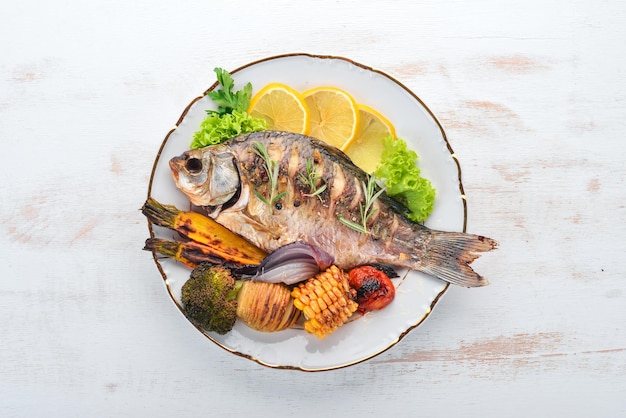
[(448, 256)]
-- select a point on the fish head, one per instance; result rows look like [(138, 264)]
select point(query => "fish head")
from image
[(209, 177)]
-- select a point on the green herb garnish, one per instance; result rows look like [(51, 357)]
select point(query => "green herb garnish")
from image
[(366, 210), (226, 100), (402, 179), (272, 173), (311, 178), (230, 119)]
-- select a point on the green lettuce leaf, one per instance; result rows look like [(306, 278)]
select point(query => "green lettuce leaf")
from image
[(217, 128), (402, 180)]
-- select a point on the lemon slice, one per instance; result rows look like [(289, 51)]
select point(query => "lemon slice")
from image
[(366, 148), (333, 115), (282, 107)]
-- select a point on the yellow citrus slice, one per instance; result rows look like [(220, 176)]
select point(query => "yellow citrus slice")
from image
[(366, 148), (282, 107), (333, 115)]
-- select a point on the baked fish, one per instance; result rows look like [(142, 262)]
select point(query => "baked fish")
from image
[(275, 188)]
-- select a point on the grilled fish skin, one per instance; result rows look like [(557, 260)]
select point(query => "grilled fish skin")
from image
[(232, 182)]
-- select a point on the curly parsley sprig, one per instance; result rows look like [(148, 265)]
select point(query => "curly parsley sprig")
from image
[(226, 100), (231, 118)]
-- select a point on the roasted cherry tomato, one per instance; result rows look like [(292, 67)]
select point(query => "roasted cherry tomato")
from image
[(374, 289)]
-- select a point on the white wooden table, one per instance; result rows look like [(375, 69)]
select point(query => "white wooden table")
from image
[(532, 97)]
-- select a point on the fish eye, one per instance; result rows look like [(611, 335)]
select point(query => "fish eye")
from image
[(193, 165)]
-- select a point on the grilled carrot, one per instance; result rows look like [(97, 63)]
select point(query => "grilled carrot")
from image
[(205, 231), (189, 253)]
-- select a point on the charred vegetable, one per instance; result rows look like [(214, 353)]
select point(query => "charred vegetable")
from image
[(326, 300), (190, 253), (289, 264), (209, 298), (222, 242), (374, 289), (266, 307), (213, 299)]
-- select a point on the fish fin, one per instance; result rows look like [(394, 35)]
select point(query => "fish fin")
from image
[(450, 255)]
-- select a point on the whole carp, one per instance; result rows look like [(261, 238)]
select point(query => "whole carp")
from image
[(275, 188)]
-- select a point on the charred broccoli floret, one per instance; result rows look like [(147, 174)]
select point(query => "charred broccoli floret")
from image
[(209, 298)]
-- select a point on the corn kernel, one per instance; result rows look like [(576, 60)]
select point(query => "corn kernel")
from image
[(326, 300), (315, 306)]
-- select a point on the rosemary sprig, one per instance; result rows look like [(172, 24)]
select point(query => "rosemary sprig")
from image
[(366, 210), (311, 179), (272, 172)]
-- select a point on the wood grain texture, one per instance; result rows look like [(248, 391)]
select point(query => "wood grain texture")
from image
[(532, 97)]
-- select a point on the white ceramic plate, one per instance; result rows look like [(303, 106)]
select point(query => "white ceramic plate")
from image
[(416, 293)]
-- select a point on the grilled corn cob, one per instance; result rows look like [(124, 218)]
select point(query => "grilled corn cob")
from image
[(326, 300)]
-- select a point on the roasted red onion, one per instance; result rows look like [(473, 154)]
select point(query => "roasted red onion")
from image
[(289, 264)]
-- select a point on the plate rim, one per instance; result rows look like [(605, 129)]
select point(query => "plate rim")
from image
[(322, 57)]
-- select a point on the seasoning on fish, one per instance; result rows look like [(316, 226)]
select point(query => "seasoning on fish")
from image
[(231, 181)]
